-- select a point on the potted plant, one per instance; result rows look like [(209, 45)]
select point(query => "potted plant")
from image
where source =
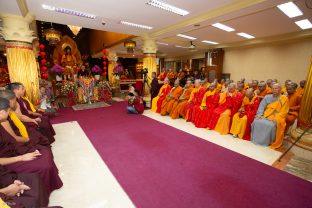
[(58, 70), (96, 70)]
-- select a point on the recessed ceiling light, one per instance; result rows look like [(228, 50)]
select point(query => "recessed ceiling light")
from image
[(304, 24), (168, 7), (136, 25), (223, 27), (245, 35), (210, 42), (290, 9), (160, 43), (68, 11), (186, 36), (178, 46)]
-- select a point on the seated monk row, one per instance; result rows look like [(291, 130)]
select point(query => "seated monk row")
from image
[(25, 150), (233, 111)]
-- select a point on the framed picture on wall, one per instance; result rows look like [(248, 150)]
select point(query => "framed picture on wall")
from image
[(226, 76)]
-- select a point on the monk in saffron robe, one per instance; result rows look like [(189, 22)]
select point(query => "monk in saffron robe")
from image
[(300, 90), (203, 113), (171, 98), (284, 88), (43, 122), (39, 159), (269, 125), (162, 75), (242, 120), (157, 101), (195, 100), (255, 85), (263, 90), (229, 104), (294, 105), (172, 75), (178, 107), (21, 133), (22, 189)]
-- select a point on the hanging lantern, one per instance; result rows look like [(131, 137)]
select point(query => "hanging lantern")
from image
[(41, 46), (44, 68), (104, 62), (104, 51), (130, 45), (42, 54), (52, 36), (105, 73), (43, 61), (44, 75), (104, 57)]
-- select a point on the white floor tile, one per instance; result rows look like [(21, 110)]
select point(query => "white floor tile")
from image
[(88, 183), (247, 148)]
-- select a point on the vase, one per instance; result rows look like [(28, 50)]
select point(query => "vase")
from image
[(97, 76), (58, 78)]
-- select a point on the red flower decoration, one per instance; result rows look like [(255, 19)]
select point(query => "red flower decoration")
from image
[(104, 50), (105, 73), (41, 46), (104, 57)]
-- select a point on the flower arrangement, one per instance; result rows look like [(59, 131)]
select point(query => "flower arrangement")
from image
[(57, 69), (96, 69), (117, 70), (68, 87)]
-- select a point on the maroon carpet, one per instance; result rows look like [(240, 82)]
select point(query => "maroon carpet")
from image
[(159, 166)]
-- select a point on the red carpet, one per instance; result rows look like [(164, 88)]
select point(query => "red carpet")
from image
[(162, 167)]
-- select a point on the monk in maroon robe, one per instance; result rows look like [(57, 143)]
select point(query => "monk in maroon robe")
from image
[(43, 122), (22, 189), (14, 155)]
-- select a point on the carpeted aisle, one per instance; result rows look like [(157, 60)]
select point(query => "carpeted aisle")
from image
[(162, 167)]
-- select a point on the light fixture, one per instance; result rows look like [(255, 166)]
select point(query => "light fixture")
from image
[(160, 43), (245, 35), (178, 46), (52, 36), (130, 45), (210, 42), (186, 36), (167, 7), (68, 11), (223, 27), (136, 25), (75, 29), (290, 9), (304, 24)]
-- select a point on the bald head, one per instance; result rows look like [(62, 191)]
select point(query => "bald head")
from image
[(249, 93), (231, 87), (262, 86), (276, 89), (291, 88), (176, 82), (197, 82)]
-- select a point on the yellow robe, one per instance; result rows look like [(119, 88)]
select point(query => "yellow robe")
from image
[(17, 122), (155, 99), (278, 110), (239, 124)]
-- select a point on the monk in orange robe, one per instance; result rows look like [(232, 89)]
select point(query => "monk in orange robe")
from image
[(171, 97), (255, 84), (284, 88), (263, 90), (178, 107), (202, 113), (157, 101), (269, 124), (195, 100), (229, 104), (242, 120), (300, 89), (294, 105), (162, 75)]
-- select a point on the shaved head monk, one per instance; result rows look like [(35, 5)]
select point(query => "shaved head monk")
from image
[(269, 125), (171, 97), (157, 101), (294, 104)]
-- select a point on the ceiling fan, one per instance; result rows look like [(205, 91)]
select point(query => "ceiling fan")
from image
[(192, 46)]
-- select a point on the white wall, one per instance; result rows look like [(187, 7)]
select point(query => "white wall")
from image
[(280, 61)]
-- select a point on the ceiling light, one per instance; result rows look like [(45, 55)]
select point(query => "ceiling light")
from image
[(178, 46), (68, 11), (245, 35), (290, 9), (304, 24), (160, 43), (210, 42), (136, 25), (168, 7), (223, 27), (186, 36)]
